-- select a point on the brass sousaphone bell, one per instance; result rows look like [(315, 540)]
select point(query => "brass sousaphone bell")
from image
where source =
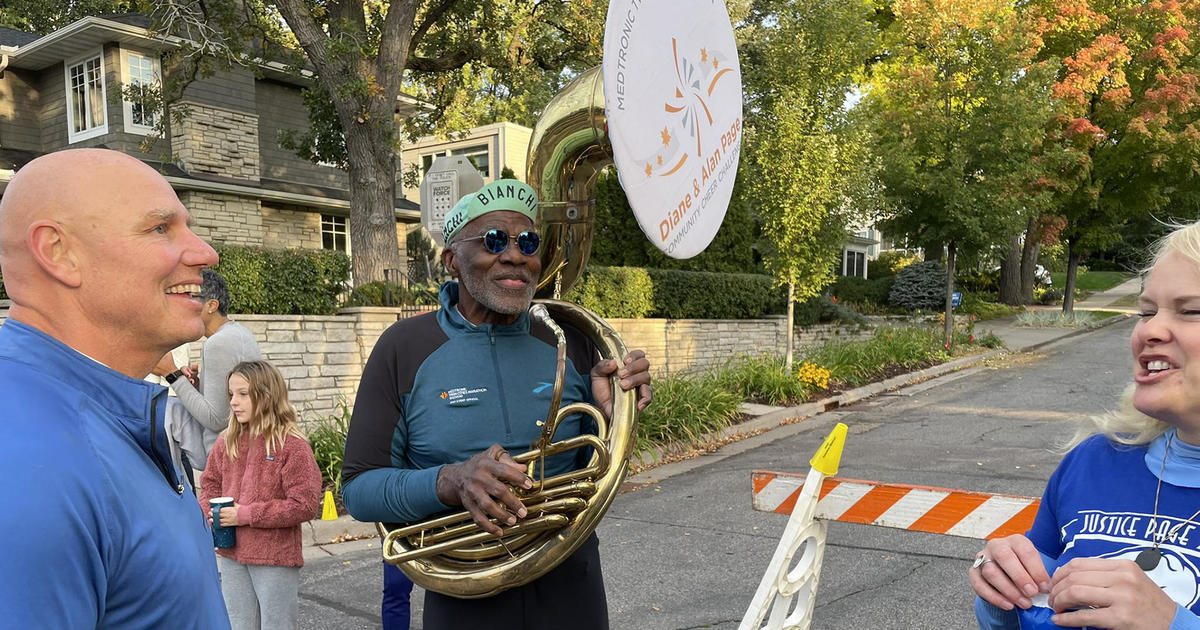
[(450, 554)]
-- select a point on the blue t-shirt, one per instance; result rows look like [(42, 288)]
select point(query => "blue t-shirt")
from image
[(1099, 503)]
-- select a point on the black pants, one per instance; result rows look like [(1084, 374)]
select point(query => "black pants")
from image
[(569, 596)]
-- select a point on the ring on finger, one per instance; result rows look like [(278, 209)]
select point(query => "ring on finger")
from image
[(980, 560), (500, 453)]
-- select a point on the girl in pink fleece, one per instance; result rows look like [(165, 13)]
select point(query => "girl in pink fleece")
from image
[(265, 463)]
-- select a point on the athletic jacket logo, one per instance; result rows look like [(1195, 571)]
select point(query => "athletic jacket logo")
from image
[(460, 396), (542, 385)]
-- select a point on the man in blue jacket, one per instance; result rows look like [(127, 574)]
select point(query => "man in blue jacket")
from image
[(100, 527), (445, 396)]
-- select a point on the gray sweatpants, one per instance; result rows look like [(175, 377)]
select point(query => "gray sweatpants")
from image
[(260, 597)]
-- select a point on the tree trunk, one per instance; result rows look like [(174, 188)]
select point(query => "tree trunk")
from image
[(1072, 266), (791, 324), (934, 251), (373, 242), (1010, 272), (1029, 256), (949, 329)]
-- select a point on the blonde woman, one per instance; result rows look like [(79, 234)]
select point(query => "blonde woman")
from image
[(265, 463), (1116, 542)]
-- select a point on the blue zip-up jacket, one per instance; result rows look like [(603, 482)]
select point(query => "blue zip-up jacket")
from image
[(100, 529), (438, 390)]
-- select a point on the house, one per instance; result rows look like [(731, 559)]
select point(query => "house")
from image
[(64, 90), (491, 148)]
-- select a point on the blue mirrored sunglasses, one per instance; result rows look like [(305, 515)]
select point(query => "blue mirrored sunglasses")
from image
[(496, 241)]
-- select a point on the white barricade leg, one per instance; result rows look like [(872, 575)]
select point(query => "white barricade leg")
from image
[(788, 592)]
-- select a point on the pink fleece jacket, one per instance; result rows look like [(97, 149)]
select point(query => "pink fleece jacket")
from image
[(275, 495)]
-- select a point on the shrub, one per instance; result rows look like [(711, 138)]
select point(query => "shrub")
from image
[(861, 291), (822, 309), (889, 263), (283, 281), (3, 293), (856, 362), (614, 292), (1048, 295), (978, 281), (983, 308), (685, 409), (373, 294), (762, 379), (708, 295), (920, 286), (328, 442), (636, 292)]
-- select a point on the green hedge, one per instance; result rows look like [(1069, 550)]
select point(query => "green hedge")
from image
[(283, 281), (633, 292), (372, 294), (625, 292)]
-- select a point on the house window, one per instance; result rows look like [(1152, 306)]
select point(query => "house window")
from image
[(479, 157), (334, 234), (142, 76), (854, 264), (87, 114)]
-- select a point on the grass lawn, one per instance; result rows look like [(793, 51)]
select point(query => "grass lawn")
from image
[(1091, 280)]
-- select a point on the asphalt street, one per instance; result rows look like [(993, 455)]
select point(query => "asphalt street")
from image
[(688, 551)]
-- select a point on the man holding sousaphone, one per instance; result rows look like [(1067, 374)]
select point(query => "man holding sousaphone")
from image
[(445, 396)]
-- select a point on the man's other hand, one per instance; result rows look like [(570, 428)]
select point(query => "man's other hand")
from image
[(482, 485), (635, 374)]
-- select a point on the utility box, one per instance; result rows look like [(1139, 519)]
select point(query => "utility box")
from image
[(448, 179)]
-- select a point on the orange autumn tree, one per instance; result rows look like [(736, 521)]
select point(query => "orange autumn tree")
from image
[(1123, 139)]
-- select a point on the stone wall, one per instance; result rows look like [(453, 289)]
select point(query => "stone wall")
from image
[(217, 141), (322, 357)]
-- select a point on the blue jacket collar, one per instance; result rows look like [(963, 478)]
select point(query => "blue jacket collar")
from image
[(139, 405), (454, 323)]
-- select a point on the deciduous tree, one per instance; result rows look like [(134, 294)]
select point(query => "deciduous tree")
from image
[(957, 106), (1124, 133)]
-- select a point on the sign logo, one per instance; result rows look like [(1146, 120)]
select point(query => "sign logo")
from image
[(542, 385), (672, 87)]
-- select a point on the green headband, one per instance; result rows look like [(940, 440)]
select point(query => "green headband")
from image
[(502, 194)]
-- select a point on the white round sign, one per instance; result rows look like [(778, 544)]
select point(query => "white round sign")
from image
[(673, 96)]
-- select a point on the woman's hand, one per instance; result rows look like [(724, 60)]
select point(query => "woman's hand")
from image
[(1011, 573), (1108, 593), (229, 515)]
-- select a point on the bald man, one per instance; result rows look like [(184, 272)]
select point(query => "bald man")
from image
[(99, 525)]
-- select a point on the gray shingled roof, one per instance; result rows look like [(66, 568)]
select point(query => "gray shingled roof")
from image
[(13, 37)]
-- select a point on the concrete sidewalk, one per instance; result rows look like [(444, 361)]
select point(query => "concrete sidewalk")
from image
[(343, 535)]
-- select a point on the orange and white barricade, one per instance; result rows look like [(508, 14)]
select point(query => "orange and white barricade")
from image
[(817, 497)]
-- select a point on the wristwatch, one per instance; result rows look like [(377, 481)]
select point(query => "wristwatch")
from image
[(173, 376)]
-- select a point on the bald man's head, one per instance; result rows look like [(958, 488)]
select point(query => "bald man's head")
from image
[(97, 241), (69, 186)]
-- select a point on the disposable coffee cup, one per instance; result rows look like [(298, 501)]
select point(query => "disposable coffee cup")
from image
[(223, 537)]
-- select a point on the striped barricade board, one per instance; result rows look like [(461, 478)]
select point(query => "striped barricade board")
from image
[(916, 508)]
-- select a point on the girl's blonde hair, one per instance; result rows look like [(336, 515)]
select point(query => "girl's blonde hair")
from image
[(273, 417), (1126, 425)]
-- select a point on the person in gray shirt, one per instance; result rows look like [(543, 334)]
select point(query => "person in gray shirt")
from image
[(204, 395)]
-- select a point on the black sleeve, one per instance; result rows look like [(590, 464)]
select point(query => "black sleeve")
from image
[(387, 377)]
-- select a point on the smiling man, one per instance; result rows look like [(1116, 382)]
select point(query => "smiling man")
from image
[(101, 267), (445, 396)]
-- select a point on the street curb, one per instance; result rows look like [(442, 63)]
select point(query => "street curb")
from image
[(347, 533)]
